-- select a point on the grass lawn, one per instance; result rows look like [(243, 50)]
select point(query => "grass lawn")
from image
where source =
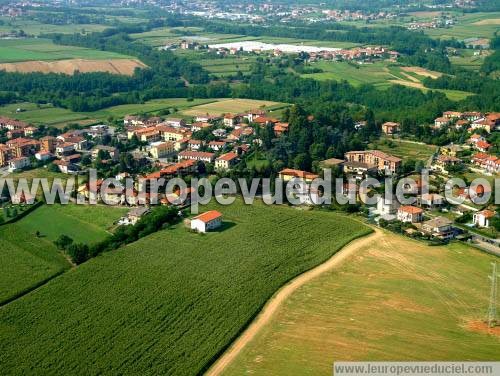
[(25, 260), (231, 106), (14, 50), (169, 303), (404, 149), (83, 223), (395, 300)]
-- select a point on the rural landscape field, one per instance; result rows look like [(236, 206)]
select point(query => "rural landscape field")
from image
[(249, 188)]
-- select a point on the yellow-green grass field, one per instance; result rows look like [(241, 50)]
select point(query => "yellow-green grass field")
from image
[(404, 149), (171, 302), (30, 49), (232, 106), (396, 299), (380, 74)]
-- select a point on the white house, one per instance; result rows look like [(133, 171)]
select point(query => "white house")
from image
[(410, 214), (387, 209), (19, 163), (43, 155), (482, 218), (206, 221)]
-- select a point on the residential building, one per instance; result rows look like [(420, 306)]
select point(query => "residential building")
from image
[(230, 120), (194, 144), (430, 200), (162, 149), (216, 145), (288, 174), (207, 221), (23, 147), (19, 163), (482, 218), (113, 152), (226, 161), (175, 122), (49, 143), (65, 148), (382, 161), (410, 214), (441, 122), (44, 156), (489, 123), (196, 156), (391, 127), (280, 129), (439, 227), (443, 162)]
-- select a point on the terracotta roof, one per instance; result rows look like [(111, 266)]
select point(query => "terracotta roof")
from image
[(208, 216), (487, 213), (228, 156), (483, 144), (298, 173), (411, 209)]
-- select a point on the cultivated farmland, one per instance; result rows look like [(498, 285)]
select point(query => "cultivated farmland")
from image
[(396, 299), (25, 261), (114, 66), (15, 50), (232, 106), (83, 223), (171, 302)]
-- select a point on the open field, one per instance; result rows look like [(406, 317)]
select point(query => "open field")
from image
[(189, 293), (161, 36), (25, 261), (396, 299), (472, 25), (83, 223), (380, 74), (231, 106), (404, 149), (115, 66), (60, 117), (35, 28), (17, 50), (466, 59)]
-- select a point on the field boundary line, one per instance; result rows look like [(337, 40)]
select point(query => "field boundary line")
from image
[(271, 307)]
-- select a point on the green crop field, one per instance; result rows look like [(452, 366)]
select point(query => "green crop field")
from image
[(395, 299), (404, 149), (25, 261), (83, 223), (16, 50), (169, 303)]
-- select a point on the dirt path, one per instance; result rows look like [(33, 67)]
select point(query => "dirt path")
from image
[(277, 300)]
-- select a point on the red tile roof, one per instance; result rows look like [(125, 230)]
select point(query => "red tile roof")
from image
[(411, 209), (208, 216)]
